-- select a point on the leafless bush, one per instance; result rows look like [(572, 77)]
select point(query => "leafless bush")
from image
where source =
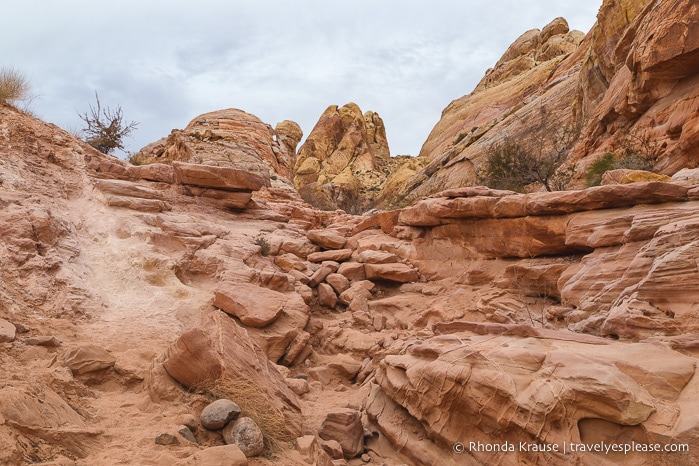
[(541, 159), (106, 128)]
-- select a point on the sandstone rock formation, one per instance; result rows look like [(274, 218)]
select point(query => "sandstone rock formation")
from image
[(132, 297), (229, 138), (633, 74), (342, 162)]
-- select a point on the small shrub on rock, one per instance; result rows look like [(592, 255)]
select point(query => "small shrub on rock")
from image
[(633, 153), (514, 165), (265, 247), (14, 87)]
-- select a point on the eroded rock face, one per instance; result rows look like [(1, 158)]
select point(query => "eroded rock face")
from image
[(475, 314), (229, 138), (255, 306), (633, 74), (342, 160), (345, 427), (481, 383), (537, 71)]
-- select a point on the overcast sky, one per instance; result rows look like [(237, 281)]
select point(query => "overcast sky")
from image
[(165, 62)]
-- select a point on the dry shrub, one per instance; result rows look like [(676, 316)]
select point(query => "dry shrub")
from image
[(106, 128), (14, 87), (265, 246), (255, 404)]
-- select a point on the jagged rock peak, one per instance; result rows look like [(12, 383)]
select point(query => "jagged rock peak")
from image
[(530, 49), (340, 164)]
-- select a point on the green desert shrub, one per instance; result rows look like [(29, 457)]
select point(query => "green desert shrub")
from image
[(601, 165), (633, 153)]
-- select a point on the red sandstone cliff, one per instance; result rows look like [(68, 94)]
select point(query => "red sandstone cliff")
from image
[(636, 72)]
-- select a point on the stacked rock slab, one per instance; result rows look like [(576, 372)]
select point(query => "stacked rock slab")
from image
[(222, 186), (153, 188)]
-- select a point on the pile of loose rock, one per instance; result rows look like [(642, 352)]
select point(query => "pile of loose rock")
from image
[(342, 272)]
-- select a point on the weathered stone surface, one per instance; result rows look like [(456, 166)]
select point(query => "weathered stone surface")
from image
[(227, 138), (532, 279), (325, 269), (253, 305), (48, 341), (384, 220), (345, 427), (289, 135), (401, 273), (288, 262), (643, 176), (218, 197), (127, 188), (198, 357), (352, 270), (333, 449), (358, 288), (298, 386), (186, 433), (133, 203), (300, 247), (166, 438), (307, 446), (686, 177), (40, 411), (246, 434), (435, 211), (337, 255), (210, 176), (654, 251), (152, 172), (219, 413), (326, 295), (7, 331), (223, 455), (376, 257), (338, 281), (341, 160), (88, 358), (189, 421), (327, 239), (614, 393), (343, 365)]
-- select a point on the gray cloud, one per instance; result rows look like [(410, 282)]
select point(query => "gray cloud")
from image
[(165, 62)]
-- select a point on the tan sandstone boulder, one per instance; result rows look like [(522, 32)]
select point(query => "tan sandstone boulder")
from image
[(255, 306)]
